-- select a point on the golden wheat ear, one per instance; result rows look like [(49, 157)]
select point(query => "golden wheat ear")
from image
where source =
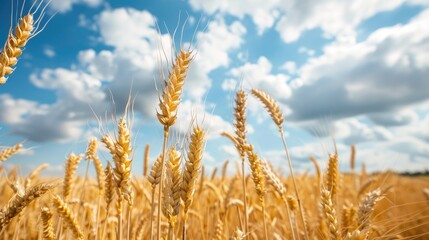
[(19, 202), (171, 95), (25, 29), (6, 153)]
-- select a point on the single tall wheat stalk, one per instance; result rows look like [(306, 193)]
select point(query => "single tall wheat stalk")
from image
[(240, 132), (274, 110), (168, 104), (121, 151)]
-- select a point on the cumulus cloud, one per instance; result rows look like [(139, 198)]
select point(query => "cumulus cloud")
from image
[(262, 12), (259, 76), (103, 80), (382, 73), (291, 18), (214, 48), (78, 94)]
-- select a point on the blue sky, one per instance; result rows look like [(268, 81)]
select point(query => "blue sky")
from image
[(356, 71)]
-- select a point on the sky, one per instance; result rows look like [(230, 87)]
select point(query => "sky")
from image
[(354, 71)]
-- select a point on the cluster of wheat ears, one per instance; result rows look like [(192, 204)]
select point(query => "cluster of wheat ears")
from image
[(176, 199)]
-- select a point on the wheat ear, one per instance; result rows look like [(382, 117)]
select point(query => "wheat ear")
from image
[(13, 47), (259, 180), (168, 105), (348, 219), (123, 161), (121, 150), (65, 212), (48, 228), (271, 106), (19, 202), (91, 153), (170, 100), (172, 189), (192, 171), (356, 235), (276, 115), (332, 175), (240, 132), (237, 235), (366, 207), (108, 194), (6, 153), (70, 169), (280, 188), (330, 214)]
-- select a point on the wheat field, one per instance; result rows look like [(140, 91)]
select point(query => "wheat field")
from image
[(176, 199)]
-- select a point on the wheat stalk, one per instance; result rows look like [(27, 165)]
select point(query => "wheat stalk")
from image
[(258, 179), (276, 115), (154, 179), (240, 132), (168, 105)]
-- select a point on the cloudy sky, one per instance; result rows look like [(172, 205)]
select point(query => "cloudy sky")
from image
[(356, 71)]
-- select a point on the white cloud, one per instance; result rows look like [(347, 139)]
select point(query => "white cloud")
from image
[(353, 131), (262, 12), (351, 79), (214, 48), (14, 111), (291, 18), (49, 52), (66, 5), (290, 67), (309, 52), (130, 67), (258, 75)]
